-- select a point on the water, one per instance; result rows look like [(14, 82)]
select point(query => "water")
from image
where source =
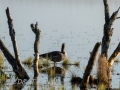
[(78, 23)]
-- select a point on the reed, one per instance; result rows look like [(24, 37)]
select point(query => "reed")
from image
[(102, 71)]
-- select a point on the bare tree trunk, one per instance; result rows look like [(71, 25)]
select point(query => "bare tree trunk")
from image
[(108, 31), (19, 71), (36, 30), (15, 62), (90, 65), (12, 34)]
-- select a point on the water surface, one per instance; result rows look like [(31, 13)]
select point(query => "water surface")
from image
[(78, 23)]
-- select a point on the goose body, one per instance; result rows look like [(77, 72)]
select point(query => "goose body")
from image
[(56, 56)]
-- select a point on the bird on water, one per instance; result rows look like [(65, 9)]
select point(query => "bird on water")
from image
[(55, 56)]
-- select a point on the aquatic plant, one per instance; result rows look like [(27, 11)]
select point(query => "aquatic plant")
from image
[(1, 59), (74, 87), (66, 62), (101, 87), (31, 86), (61, 87), (46, 63), (28, 61), (39, 64), (3, 77), (77, 63), (74, 79), (66, 67)]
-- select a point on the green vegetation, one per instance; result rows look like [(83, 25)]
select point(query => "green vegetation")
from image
[(39, 64), (28, 61), (3, 76), (61, 87), (46, 63), (66, 62), (101, 87), (74, 87), (1, 59)]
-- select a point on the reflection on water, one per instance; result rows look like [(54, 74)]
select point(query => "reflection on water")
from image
[(18, 85), (78, 23), (54, 73)]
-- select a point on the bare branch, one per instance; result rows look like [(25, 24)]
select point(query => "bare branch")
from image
[(107, 16)]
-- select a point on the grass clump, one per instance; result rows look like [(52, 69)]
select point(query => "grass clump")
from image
[(39, 64), (66, 62), (28, 61), (1, 59), (77, 63), (102, 71), (3, 76), (46, 63), (75, 80)]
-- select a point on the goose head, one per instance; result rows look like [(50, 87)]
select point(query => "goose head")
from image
[(63, 51), (63, 48)]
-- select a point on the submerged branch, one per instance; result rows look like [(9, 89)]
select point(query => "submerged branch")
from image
[(90, 65)]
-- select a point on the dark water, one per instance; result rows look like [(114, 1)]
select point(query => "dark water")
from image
[(78, 23)]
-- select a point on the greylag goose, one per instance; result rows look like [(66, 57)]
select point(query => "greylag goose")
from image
[(55, 56)]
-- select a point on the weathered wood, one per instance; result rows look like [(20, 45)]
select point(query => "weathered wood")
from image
[(19, 71), (114, 55), (36, 84), (90, 65), (15, 62), (108, 31), (37, 32), (12, 34), (107, 16)]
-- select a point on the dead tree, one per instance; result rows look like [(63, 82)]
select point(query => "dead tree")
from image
[(90, 65), (37, 32), (108, 31), (15, 62)]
